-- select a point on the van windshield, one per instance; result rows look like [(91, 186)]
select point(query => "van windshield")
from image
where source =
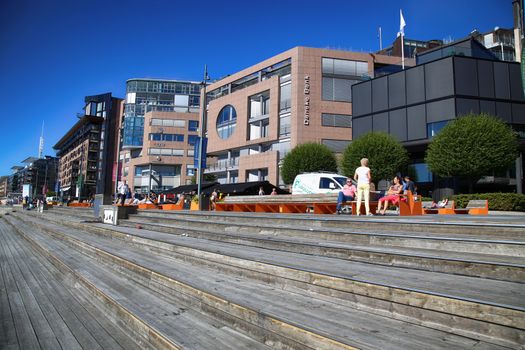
[(340, 180)]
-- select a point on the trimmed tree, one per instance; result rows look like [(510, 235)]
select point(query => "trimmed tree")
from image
[(308, 157), (472, 146), (386, 156)]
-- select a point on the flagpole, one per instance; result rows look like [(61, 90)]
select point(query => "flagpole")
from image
[(402, 52), (380, 40), (402, 25)]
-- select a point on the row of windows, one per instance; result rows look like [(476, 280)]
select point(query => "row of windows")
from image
[(344, 67), (163, 87), (156, 170), (166, 152), (193, 125), (166, 137)]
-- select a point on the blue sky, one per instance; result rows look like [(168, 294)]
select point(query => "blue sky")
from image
[(53, 53)]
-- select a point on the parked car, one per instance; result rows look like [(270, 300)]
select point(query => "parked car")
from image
[(313, 183)]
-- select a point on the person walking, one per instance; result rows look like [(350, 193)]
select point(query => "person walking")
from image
[(363, 177), (123, 191)]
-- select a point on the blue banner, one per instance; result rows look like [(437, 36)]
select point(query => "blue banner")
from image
[(196, 153)]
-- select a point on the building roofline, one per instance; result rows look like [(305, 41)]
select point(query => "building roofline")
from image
[(164, 80), (85, 119)]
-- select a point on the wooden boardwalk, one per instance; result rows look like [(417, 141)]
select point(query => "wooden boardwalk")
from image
[(233, 281), (38, 311)]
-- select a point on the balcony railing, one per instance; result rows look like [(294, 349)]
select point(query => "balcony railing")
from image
[(223, 165)]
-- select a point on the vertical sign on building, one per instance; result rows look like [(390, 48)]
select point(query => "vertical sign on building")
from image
[(306, 100)]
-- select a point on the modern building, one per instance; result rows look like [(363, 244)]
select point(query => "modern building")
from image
[(87, 151), (161, 120), (411, 46), (256, 116), (147, 95), (453, 80), (499, 41), (40, 173), (166, 159), (4, 186)]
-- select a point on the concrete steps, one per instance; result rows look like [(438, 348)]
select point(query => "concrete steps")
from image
[(481, 313)]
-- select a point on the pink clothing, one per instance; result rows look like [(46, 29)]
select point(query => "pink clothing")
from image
[(392, 198), (349, 191)]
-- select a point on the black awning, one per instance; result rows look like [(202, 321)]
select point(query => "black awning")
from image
[(249, 188), (190, 188)]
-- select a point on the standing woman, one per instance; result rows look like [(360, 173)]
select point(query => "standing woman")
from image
[(363, 177)]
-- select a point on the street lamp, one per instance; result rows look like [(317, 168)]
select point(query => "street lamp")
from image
[(201, 135)]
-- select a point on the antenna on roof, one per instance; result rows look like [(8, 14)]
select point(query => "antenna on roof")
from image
[(41, 144)]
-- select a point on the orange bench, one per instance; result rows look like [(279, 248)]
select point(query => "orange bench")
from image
[(475, 207), (446, 210), (411, 205), (79, 205), (148, 206), (178, 206)]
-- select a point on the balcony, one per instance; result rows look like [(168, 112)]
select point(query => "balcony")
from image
[(223, 165)]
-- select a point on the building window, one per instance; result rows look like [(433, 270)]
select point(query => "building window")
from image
[(284, 124), (226, 121), (285, 98), (336, 120), (434, 128), (259, 104), (192, 139), (421, 172), (193, 125), (339, 76)]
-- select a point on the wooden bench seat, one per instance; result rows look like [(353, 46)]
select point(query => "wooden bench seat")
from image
[(475, 207), (148, 206)]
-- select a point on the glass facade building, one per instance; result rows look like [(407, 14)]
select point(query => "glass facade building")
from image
[(146, 95)]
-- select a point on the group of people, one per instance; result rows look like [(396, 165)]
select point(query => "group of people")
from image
[(363, 178)]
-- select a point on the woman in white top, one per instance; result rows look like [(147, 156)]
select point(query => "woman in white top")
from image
[(363, 177)]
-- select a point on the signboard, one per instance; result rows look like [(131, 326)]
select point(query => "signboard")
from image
[(27, 190), (196, 153)]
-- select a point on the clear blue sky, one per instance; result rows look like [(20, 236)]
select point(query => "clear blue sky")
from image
[(53, 53)]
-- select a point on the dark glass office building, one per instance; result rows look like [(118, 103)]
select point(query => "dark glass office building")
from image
[(415, 104)]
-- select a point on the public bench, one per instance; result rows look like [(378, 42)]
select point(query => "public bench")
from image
[(317, 203), (410, 204), (475, 207), (448, 209), (82, 205), (178, 206)]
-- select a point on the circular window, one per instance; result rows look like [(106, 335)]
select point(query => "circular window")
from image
[(226, 121)]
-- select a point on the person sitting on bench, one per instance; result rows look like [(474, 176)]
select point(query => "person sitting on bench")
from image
[(346, 195), (392, 196)]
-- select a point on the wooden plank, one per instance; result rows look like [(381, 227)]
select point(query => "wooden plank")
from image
[(86, 330), (70, 334), (7, 327), (26, 336)]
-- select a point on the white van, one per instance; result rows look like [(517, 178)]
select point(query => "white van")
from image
[(314, 183)]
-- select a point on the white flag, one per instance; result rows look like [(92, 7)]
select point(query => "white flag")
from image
[(402, 23)]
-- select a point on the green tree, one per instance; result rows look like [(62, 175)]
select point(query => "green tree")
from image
[(308, 157), (386, 156), (206, 178), (472, 146)]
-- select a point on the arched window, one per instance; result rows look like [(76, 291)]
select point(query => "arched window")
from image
[(226, 121)]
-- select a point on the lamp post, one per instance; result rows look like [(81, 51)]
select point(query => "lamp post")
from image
[(201, 135), (117, 175)]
